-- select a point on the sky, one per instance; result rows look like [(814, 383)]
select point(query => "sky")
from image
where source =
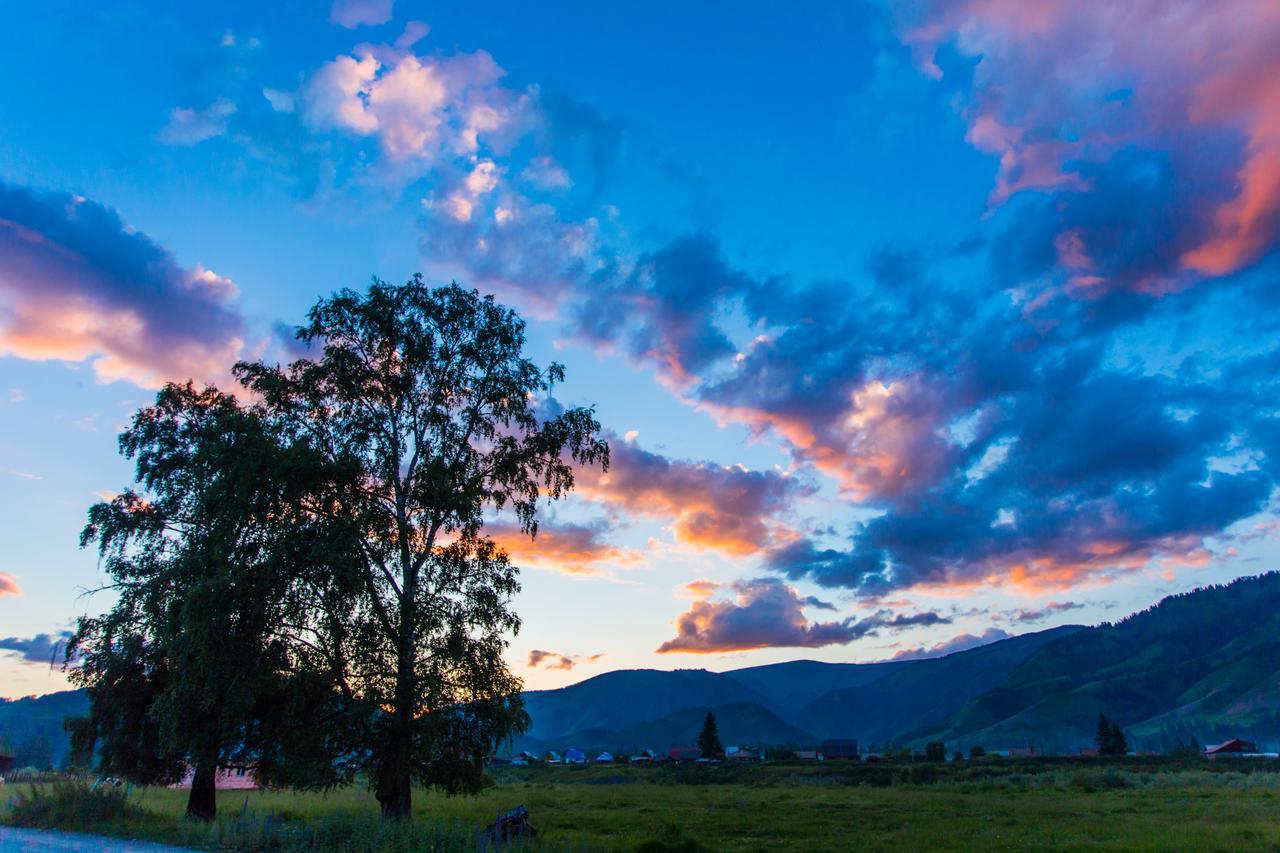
[(912, 325)]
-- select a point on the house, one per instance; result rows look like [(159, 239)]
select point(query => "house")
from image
[(574, 756), (1090, 752), (808, 755), (1234, 748), (553, 757), (648, 756), (604, 758), (681, 754), (840, 748), (227, 779), (745, 756), (1024, 752)]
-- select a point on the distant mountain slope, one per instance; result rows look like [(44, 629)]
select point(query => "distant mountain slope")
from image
[(1204, 661), (875, 702), (923, 692), (794, 684), (739, 723), (618, 700), (32, 727)]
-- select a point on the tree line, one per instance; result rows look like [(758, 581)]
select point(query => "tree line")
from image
[(303, 582)]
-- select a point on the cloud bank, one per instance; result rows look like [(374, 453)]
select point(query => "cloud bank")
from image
[(766, 613)]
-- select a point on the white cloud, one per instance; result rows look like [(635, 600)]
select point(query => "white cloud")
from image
[(356, 13), (189, 127)]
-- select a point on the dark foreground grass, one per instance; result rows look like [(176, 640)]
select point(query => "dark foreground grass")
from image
[(1045, 806)]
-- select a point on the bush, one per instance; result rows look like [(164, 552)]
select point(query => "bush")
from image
[(69, 804), (1097, 780)]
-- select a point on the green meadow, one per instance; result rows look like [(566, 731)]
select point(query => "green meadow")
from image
[(989, 805)]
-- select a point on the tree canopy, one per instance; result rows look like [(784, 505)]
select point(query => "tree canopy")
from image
[(428, 418), (185, 669)]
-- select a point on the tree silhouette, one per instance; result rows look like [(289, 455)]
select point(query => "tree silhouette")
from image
[(709, 738), (428, 417)]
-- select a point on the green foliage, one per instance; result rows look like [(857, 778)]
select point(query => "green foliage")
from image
[(935, 750), (190, 665), (426, 416), (709, 738)]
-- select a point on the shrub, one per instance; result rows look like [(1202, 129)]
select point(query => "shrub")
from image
[(69, 804), (1097, 780)]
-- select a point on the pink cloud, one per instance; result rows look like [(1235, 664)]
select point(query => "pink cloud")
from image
[(556, 660), (77, 283), (767, 613), (9, 584), (958, 643), (1054, 88)]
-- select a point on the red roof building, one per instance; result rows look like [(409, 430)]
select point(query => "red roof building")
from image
[(1234, 747), (684, 753)]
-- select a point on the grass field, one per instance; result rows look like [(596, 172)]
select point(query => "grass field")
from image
[(1044, 805)]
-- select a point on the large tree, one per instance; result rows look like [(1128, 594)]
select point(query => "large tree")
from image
[(430, 418), (188, 667)]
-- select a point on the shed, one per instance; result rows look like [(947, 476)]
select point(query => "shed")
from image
[(574, 756), (604, 758), (684, 753)]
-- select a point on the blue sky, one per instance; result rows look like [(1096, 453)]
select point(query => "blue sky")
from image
[(913, 325)]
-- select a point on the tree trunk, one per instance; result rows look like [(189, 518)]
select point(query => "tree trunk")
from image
[(395, 776), (202, 804), (394, 791)]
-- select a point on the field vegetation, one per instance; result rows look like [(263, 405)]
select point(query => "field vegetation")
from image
[(989, 804)]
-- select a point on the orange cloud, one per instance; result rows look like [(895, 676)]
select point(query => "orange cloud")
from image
[(725, 508), (575, 549), (9, 584)]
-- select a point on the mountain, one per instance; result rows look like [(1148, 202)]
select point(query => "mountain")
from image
[(795, 684), (1205, 663), (798, 702), (627, 697), (32, 727), (737, 723), (923, 692)]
